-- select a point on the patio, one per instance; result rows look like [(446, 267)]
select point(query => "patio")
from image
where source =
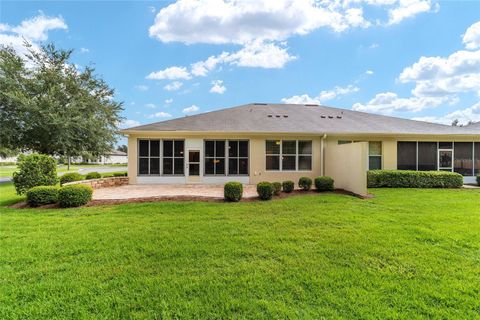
[(167, 191)]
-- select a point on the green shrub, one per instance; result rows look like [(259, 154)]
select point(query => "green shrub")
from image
[(265, 190), (119, 174), (108, 175), (70, 177), (288, 186), (34, 170), (93, 175), (74, 195), (323, 184), (233, 191), (305, 183), (277, 188), (413, 179), (41, 195), (478, 179)]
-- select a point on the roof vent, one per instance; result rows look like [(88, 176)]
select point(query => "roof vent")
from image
[(330, 117), (285, 116), (339, 117), (278, 116), (323, 117), (270, 115)]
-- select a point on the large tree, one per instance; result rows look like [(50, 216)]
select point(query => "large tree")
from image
[(50, 106)]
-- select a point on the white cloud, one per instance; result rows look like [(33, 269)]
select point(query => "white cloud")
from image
[(150, 105), (128, 123), (323, 96), (175, 85), (168, 101), (241, 22), (471, 39), (261, 55), (159, 115), (369, 72), (171, 73), (141, 87), (433, 76), (389, 102), (464, 116), (407, 9), (34, 30), (191, 109), (218, 87), (84, 50)]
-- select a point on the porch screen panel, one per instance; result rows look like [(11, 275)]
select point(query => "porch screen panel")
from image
[(173, 157), (477, 158), (463, 158), (427, 156), (149, 157), (237, 157), (406, 155), (215, 157)]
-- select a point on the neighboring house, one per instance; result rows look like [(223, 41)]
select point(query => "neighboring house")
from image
[(112, 157), (277, 142)]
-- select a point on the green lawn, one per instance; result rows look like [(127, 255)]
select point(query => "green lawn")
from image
[(404, 254), (7, 171)]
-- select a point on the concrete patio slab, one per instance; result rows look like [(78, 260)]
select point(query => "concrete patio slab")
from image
[(158, 191)]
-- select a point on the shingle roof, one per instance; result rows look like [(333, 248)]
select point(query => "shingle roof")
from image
[(295, 118)]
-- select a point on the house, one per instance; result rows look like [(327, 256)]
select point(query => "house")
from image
[(277, 142), (112, 157)]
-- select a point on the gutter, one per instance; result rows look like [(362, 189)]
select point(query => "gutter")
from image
[(322, 155)]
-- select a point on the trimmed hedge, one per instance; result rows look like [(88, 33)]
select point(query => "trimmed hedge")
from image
[(232, 191), (265, 190), (70, 177), (74, 195), (324, 184), (119, 174), (93, 175), (277, 188), (34, 170), (40, 195), (413, 179), (305, 183), (288, 186)]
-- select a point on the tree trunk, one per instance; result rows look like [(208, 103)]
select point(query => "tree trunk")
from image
[(68, 169)]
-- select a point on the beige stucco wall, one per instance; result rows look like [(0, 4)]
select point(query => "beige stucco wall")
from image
[(347, 165)]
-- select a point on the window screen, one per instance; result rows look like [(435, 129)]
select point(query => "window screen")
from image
[(427, 156), (406, 155), (463, 158)]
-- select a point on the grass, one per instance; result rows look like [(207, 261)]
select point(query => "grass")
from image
[(404, 254), (7, 171)]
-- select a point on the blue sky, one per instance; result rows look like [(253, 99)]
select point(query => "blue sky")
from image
[(416, 59)]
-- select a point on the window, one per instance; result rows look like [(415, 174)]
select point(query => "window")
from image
[(215, 157), (173, 157), (427, 156), (406, 155), (237, 157), (477, 158), (288, 155), (463, 158), (273, 155), (375, 155), (149, 157), (218, 161)]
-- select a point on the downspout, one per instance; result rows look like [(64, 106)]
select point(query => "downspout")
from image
[(322, 154)]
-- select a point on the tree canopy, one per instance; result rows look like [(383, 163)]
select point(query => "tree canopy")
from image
[(49, 106)]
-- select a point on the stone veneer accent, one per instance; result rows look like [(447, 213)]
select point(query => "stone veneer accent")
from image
[(102, 182)]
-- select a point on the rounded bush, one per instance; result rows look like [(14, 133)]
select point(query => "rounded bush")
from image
[(265, 190), (233, 191), (34, 170), (93, 175), (277, 188), (305, 183), (70, 177), (74, 195), (288, 186), (40, 195), (119, 174), (324, 184)]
